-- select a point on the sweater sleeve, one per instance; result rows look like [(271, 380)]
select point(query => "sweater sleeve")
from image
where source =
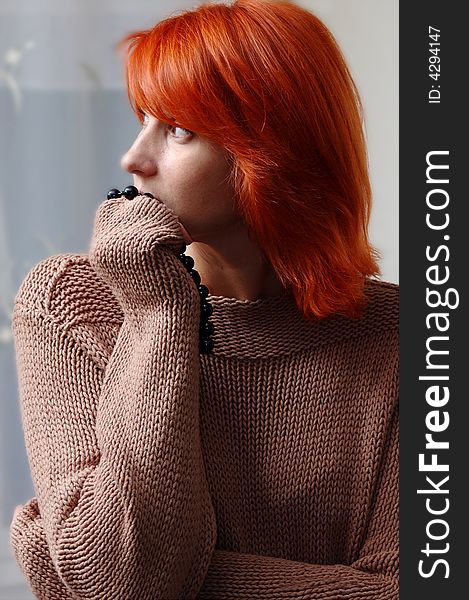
[(123, 509), (374, 575)]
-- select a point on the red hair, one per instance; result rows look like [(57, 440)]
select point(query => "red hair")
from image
[(266, 81)]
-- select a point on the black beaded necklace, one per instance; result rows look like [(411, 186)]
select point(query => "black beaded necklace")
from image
[(206, 329)]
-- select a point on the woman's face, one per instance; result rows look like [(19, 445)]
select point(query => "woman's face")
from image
[(186, 172)]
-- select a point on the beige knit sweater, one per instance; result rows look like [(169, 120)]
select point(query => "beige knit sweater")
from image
[(265, 470)]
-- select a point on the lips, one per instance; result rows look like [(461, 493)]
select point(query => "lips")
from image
[(144, 193), (149, 194)]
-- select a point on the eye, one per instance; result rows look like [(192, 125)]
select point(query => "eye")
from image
[(143, 117), (179, 132)]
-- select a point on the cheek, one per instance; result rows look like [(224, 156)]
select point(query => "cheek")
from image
[(208, 202), (210, 174), (196, 184), (208, 209), (203, 186), (216, 194)]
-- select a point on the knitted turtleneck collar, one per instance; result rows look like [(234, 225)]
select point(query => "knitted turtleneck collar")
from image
[(274, 326), (241, 324)]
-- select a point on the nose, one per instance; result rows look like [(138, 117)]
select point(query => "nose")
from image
[(139, 160)]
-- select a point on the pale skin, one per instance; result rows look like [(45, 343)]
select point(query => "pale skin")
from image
[(191, 176)]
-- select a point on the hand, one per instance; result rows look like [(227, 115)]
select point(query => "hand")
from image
[(135, 248)]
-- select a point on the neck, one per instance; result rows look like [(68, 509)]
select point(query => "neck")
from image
[(234, 267)]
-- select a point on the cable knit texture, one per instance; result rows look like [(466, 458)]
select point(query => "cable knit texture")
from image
[(265, 470)]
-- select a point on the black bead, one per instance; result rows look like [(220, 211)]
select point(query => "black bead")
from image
[(113, 194), (206, 329), (206, 310), (206, 346), (188, 261), (149, 195), (203, 291), (130, 192), (195, 276)]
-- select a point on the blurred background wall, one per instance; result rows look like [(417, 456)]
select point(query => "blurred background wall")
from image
[(65, 122)]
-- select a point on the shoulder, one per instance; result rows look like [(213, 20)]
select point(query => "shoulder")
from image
[(371, 341), (378, 322), (383, 304), (66, 290), (66, 287)]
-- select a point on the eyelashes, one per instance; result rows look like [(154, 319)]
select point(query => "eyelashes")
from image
[(186, 132), (174, 129)]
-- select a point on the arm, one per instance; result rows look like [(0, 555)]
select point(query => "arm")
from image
[(115, 457), (372, 576), (29, 545)]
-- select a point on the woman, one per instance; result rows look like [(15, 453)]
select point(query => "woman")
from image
[(235, 438)]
